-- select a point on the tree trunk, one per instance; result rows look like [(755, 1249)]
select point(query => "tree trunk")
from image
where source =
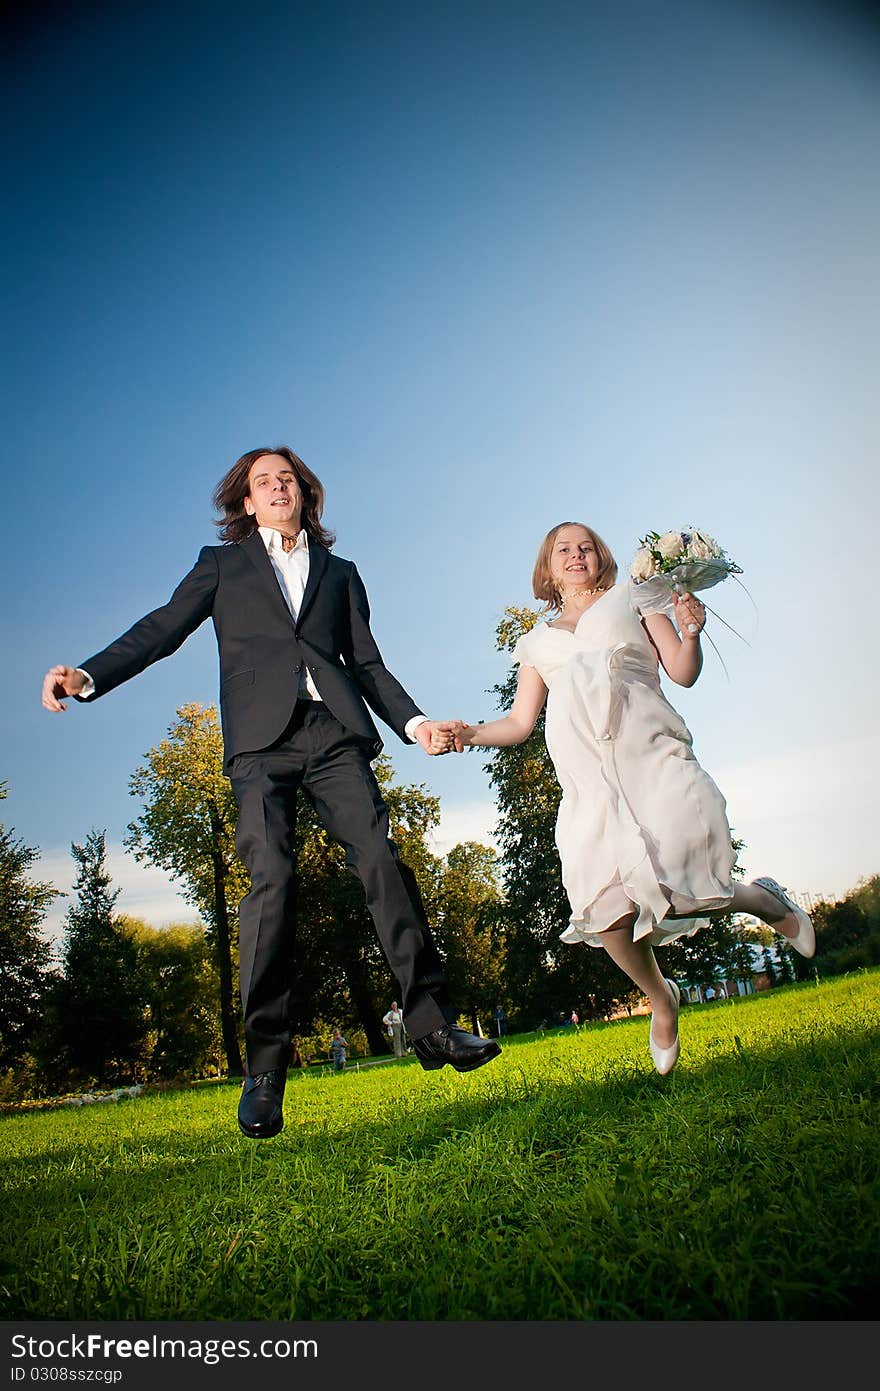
[(224, 954), (359, 991)]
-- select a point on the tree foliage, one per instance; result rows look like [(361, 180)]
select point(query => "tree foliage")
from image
[(470, 930), (847, 932), (95, 1022), (187, 828), (177, 978), (341, 971), (544, 976), (720, 952), (25, 956)]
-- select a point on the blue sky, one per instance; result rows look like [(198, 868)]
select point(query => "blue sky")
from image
[(485, 267)]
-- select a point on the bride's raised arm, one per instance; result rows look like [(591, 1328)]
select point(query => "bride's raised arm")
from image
[(680, 656)]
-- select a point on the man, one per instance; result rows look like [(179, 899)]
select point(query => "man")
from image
[(298, 668), (393, 1022), (338, 1046)]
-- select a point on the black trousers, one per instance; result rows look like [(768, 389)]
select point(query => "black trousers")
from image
[(332, 767)]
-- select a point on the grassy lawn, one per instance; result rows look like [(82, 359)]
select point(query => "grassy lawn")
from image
[(566, 1180)]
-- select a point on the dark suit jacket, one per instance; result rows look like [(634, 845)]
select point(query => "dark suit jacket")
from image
[(262, 650)]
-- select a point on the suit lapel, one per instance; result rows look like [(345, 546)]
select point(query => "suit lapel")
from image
[(255, 550), (317, 567)]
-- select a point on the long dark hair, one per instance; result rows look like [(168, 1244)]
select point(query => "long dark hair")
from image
[(231, 491)]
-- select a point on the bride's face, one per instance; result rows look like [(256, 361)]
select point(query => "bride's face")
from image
[(573, 559)]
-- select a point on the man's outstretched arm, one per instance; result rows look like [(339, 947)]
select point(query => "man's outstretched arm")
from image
[(157, 635)]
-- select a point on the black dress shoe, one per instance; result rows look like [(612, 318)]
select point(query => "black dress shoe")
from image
[(451, 1045), (259, 1111)]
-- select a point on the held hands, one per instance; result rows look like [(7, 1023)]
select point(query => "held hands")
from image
[(690, 615), (463, 734), (61, 681), (443, 736), (436, 736)]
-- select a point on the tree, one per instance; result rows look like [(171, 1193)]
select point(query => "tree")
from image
[(24, 955), (470, 929), (847, 932), (866, 897), (721, 951), (337, 960), (769, 967), (341, 972), (179, 990), (95, 1015), (785, 956), (543, 976), (187, 828)]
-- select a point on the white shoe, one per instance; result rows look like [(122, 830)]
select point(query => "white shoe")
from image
[(805, 939), (666, 1058)]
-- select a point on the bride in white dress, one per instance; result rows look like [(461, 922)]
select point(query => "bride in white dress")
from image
[(642, 831)]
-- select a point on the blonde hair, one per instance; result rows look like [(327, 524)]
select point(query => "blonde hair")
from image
[(543, 586)]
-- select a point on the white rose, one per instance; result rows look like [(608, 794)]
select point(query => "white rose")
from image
[(643, 566), (702, 547), (671, 545)]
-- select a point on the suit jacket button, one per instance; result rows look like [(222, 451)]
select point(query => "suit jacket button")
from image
[(297, 668)]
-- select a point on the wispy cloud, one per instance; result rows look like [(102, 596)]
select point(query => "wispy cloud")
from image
[(146, 892), (810, 817), (470, 821)]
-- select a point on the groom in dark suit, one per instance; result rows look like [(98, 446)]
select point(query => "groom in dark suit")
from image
[(298, 668)]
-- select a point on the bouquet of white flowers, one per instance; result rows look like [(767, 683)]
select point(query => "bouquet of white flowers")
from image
[(688, 560)]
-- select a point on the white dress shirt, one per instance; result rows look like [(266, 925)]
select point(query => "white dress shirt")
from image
[(292, 570)]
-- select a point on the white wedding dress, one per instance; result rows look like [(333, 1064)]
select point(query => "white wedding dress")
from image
[(641, 825)]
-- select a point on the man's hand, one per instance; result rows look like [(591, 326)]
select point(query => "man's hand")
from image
[(435, 736), (58, 682)]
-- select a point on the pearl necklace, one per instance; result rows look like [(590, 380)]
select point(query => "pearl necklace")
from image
[(575, 594)]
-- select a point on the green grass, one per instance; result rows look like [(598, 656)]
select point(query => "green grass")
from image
[(566, 1180)]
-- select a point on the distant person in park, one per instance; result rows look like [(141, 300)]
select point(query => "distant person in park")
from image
[(298, 668), (642, 830), (338, 1048), (393, 1022), (500, 1021)]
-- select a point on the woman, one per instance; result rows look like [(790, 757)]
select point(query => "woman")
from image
[(642, 831)]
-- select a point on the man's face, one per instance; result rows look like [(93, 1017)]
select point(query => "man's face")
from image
[(273, 495)]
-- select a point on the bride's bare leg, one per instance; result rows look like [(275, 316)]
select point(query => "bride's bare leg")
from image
[(637, 960), (751, 898)]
